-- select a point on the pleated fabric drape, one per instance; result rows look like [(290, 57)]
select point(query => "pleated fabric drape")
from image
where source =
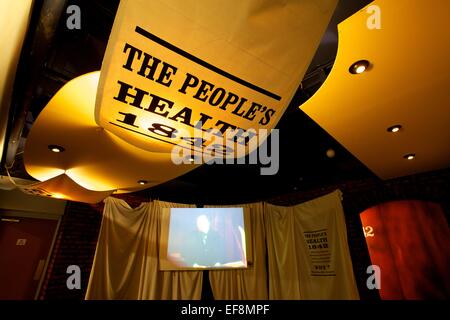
[(297, 252), (308, 253), (126, 259), (250, 283)]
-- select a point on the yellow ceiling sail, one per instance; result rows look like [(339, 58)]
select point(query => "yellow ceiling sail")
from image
[(94, 158), (407, 46)]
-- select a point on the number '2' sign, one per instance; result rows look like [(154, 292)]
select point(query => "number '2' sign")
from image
[(368, 231)]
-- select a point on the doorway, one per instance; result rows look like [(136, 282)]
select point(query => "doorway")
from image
[(25, 247)]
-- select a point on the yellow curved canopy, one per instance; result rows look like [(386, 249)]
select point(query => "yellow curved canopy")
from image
[(94, 158), (407, 83)]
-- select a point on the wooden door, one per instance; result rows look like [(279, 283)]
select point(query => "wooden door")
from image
[(24, 247)]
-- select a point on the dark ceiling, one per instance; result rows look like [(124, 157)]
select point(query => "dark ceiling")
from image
[(304, 164)]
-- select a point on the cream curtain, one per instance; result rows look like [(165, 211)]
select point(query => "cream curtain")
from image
[(304, 246), (308, 252), (126, 259), (250, 283)]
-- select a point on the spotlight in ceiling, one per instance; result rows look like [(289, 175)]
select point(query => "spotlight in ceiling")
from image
[(409, 156), (55, 148), (359, 67), (142, 182), (394, 129), (330, 153)]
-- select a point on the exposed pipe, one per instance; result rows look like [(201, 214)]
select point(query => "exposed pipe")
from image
[(30, 68), (14, 21)]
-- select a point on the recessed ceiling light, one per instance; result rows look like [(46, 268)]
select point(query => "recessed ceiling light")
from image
[(330, 153), (409, 156), (55, 148), (142, 182), (395, 128), (359, 67)]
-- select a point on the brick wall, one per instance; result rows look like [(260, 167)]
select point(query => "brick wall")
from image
[(77, 236), (75, 245)]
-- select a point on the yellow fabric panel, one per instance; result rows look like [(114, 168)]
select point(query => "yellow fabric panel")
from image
[(94, 158), (63, 187), (307, 255), (126, 259), (406, 83)]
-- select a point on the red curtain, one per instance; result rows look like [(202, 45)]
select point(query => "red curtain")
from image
[(410, 242)]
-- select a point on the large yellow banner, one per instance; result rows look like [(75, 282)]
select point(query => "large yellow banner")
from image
[(196, 73), (199, 76)]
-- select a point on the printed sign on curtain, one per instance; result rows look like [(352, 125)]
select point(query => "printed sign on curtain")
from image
[(225, 69), (319, 252)]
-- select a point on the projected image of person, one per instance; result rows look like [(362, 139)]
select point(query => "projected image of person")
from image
[(204, 246), (206, 238)]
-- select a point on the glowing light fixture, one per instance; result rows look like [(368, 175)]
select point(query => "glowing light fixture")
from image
[(55, 148), (330, 153), (395, 128), (142, 182), (359, 67), (409, 156)]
